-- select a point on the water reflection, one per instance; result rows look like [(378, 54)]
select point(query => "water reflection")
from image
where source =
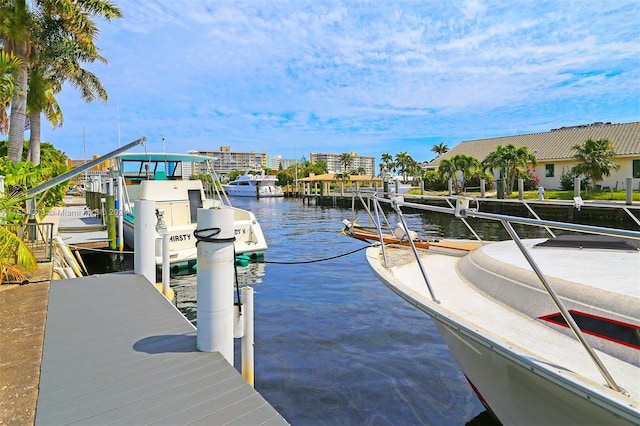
[(185, 287)]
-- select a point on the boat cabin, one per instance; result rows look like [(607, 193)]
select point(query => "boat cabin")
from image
[(163, 178)]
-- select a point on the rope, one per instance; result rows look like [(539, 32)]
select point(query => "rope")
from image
[(317, 260), (211, 232), (207, 235), (25, 282)]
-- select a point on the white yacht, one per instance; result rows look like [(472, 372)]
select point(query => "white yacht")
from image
[(546, 330), (254, 185)]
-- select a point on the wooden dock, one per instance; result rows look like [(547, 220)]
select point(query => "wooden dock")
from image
[(79, 227)]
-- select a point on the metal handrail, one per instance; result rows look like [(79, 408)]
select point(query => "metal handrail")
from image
[(462, 211), (37, 236)]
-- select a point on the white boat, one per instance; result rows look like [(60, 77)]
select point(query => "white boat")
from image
[(159, 177), (546, 330), (254, 185)]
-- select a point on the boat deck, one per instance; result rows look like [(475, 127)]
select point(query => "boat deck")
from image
[(622, 268), (117, 352)]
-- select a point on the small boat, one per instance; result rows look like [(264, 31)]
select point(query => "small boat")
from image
[(399, 237), (546, 330), (162, 177), (254, 185)]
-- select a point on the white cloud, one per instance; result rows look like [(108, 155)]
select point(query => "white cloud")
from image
[(285, 74)]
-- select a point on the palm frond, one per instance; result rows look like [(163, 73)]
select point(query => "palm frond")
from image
[(14, 251)]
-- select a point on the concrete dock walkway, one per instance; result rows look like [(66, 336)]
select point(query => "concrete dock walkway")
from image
[(23, 311)]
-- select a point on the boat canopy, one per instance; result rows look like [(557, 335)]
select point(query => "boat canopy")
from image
[(160, 156), (136, 167)]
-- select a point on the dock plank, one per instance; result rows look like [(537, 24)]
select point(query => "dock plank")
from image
[(117, 352)]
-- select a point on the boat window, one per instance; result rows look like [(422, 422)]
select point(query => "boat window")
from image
[(195, 203), (605, 328)]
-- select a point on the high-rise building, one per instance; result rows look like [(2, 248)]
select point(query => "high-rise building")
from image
[(334, 165), (277, 161), (226, 161)]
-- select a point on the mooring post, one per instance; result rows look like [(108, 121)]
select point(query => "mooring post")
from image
[(520, 189), (120, 213), (161, 228), (215, 235), (110, 215), (144, 240), (247, 342)]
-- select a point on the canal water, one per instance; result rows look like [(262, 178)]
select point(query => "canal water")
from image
[(333, 345)]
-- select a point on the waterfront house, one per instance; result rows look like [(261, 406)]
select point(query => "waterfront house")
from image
[(554, 152)]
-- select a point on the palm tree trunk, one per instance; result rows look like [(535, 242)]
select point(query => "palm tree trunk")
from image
[(34, 138), (18, 111)]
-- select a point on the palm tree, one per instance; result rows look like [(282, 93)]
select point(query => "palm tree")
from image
[(40, 98), (8, 65), (15, 29), (403, 164), (458, 168), (440, 149), (15, 255), (59, 60), (345, 161), (386, 164), (511, 161), (52, 40), (447, 170), (417, 171), (466, 165), (594, 159)]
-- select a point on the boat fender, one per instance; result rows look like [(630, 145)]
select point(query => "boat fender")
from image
[(400, 234)]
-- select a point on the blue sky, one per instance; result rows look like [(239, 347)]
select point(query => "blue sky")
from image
[(293, 77)]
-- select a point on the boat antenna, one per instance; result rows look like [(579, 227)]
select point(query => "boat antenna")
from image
[(164, 151), (118, 119)]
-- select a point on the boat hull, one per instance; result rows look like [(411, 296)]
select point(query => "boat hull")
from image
[(251, 194), (516, 384), (519, 392), (182, 243)]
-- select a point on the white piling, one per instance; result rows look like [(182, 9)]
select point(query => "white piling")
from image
[(144, 240), (247, 342), (215, 282), (161, 228), (120, 213)]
